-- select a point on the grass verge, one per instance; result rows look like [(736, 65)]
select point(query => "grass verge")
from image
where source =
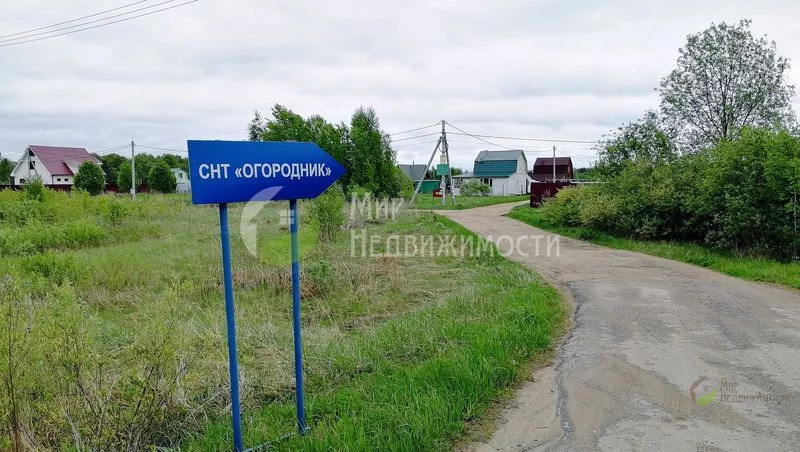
[(426, 201), (754, 269), (116, 329), (416, 380)]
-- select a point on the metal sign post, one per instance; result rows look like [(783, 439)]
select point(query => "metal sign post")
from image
[(302, 426), (227, 276), (242, 171)]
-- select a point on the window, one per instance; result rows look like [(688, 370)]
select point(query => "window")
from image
[(58, 179), (31, 164)]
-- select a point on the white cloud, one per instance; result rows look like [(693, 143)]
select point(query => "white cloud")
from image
[(548, 69)]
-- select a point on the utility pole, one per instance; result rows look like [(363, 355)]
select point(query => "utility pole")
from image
[(449, 168), (444, 159), (133, 172), (554, 163), (441, 145)]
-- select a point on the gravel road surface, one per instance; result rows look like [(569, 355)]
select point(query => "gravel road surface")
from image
[(644, 331)]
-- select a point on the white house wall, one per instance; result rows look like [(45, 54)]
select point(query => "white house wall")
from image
[(22, 170)]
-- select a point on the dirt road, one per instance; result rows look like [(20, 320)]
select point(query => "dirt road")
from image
[(645, 329)]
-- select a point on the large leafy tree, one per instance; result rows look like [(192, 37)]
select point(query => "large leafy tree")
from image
[(90, 177), (6, 167), (111, 164), (362, 148), (726, 80), (648, 141), (373, 159)]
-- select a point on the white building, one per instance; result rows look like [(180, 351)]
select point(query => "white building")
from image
[(55, 166), (506, 172), (182, 178)]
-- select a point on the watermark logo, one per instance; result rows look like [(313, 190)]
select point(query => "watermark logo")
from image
[(365, 243), (703, 392), (248, 228), (703, 399)]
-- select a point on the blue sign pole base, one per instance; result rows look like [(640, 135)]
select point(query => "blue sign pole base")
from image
[(302, 426), (231, 327)]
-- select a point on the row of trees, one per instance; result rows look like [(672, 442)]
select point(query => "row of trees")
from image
[(361, 147), (153, 171), (718, 164), (92, 178), (117, 170)]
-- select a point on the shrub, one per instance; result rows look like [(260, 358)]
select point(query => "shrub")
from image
[(742, 196), (320, 278), (161, 179), (405, 183), (115, 213), (475, 188), (34, 189), (90, 178), (564, 208), (327, 213), (58, 268)]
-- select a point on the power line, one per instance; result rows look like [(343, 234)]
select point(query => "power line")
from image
[(476, 137), (99, 25), (86, 23), (518, 138), (161, 149), (414, 130), (524, 139), (73, 20), (110, 150), (418, 136)]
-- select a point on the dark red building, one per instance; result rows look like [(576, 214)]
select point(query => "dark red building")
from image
[(543, 169)]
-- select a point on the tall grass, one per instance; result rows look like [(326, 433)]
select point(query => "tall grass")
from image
[(122, 339)]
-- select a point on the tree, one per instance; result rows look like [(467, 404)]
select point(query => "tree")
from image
[(6, 167), (361, 148), (110, 165), (124, 177), (726, 80), (90, 177), (373, 159), (161, 179), (144, 162), (647, 141), (285, 125)]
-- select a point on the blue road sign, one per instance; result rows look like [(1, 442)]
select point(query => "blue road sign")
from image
[(236, 171), (239, 171)]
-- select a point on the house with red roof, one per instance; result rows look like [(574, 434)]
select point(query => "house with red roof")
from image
[(56, 166)]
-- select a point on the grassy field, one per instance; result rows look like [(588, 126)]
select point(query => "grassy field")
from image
[(426, 201), (754, 269), (116, 330)]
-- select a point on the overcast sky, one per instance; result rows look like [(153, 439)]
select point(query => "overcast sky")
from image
[(543, 69)]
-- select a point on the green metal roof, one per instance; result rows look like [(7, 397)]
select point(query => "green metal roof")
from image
[(496, 163)]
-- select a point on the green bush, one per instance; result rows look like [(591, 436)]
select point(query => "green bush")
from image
[(475, 188), (742, 196), (161, 179), (405, 183), (34, 189), (90, 178), (327, 213)]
